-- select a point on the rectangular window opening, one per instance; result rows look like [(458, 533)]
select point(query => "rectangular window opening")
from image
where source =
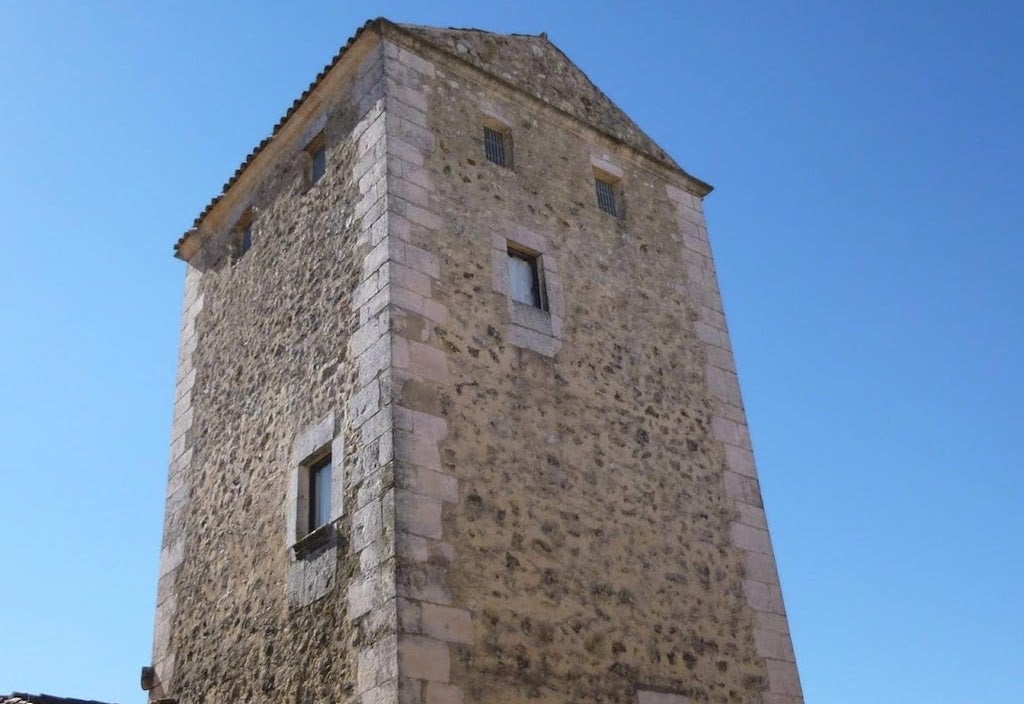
[(320, 493), (498, 146), (244, 236), (606, 195), (525, 277), (317, 153)]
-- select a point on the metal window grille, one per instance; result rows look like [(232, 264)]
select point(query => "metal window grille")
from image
[(524, 277), (494, 146), (605, 195), (320, 494)]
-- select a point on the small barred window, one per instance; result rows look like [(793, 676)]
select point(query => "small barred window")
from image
[(498, 147), (605, 195)]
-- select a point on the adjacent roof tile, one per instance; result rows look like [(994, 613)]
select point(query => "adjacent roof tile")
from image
[(22, 698)]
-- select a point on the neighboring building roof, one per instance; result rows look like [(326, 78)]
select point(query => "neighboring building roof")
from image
[(530, 63), (22, 698)]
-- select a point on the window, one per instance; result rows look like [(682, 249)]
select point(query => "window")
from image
[(246, 242), (319, 495), (243, 235), (605, 194), (498, 146), (317, 155), (524, 277)]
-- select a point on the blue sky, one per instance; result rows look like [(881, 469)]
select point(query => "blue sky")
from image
[(866, 224)]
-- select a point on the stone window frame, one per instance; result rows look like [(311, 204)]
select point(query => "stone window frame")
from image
[(314, 146), (311, 446), (533, 260), (493, 121), (242, 235), (610, 172), (540, 330), (313, 558), (312, 138)]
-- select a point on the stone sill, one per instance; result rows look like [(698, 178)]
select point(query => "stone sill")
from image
[(323, 537)]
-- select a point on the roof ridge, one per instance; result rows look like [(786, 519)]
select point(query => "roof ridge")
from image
[(410, 25)]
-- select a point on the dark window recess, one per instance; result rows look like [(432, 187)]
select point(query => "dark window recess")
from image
[(317, 164), (320, 494), (496, 145), (243, 235), (524, 278), (605, 195), (245, 241)]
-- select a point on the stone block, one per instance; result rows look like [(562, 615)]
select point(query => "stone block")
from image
[(447, 624), (418, 514), (740, 460), (171, 557), (750, 538), (762, 597), (546, 345), (761, 567), (427, 362), (741, 488), (772, 622), (417, 450), (650, 697), (401, 149), (424, 582), (418, 259), (366, 525), (386, 693), (364, 404), (438, 693), (415, 62), (752, 516), (377, 663), (772, 644), (411, 279), (424, 658), (783, 678), (430, 483)]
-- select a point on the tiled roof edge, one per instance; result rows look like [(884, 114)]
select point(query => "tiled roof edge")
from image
[(368, 25), (23, 698), (377, 24)]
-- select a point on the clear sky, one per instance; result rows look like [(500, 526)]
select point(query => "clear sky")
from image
[(867, 227)]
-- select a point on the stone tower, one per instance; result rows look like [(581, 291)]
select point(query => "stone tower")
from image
[(457, 416)]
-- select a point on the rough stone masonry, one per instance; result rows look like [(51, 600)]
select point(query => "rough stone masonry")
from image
[(547, 502)]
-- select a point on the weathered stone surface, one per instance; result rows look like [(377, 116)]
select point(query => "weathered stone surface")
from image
[(268, 371), (554, 505)]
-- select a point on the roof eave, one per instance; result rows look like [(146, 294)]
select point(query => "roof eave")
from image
[(193, 239)]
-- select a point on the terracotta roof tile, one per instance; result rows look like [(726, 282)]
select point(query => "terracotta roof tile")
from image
[(22, 698)]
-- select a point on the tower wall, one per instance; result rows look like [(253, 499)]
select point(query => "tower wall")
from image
[(269, 368), (547, 506), (607, 534)]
